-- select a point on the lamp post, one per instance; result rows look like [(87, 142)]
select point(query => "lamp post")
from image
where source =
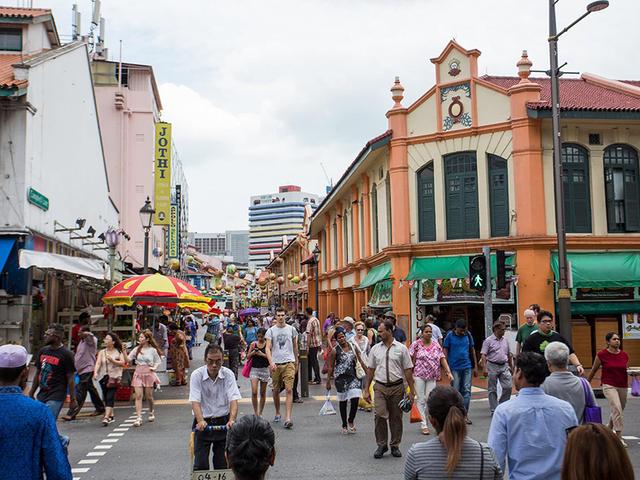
[(316, 260), (564, 292), (146, 217)]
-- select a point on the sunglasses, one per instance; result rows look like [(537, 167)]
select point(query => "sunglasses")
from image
[(359, 330)]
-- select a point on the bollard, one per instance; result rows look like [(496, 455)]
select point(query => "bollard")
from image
[(303, 374)]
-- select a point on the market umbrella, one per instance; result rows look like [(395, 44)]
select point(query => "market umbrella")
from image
[(249, 311), (154, 289)]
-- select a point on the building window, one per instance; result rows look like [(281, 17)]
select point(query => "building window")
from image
[(11, 39), (345, 237), (387, 191), (426, 205), (621, 188), (334, 245), (499, 196), (323, 240), (361, 226), (461, 184), (374, 217), (256, 202), (575, 178)]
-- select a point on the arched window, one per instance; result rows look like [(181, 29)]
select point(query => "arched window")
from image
[(577, 198), (387, 191), (324, 246), (461, 182), (426, 205), (374, 217), (361, 221), (499, 196), (345, 237), (334, 244), (621, 188)]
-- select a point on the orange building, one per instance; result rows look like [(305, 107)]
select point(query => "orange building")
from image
[(469, 164)]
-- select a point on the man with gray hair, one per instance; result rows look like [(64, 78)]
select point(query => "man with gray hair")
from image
[(526, 328), (562, 383)]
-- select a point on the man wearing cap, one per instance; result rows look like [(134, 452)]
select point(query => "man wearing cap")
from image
[(29, 441), (349, 324), (55, 372)]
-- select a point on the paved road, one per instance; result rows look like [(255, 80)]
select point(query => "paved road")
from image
[(313, 449)]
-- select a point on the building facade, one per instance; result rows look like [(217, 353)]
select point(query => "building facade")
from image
[(273, 216), (214, 244), (238, 245), (469, 164), (56, 202)]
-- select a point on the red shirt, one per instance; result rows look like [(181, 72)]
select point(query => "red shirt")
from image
[(614, 368)]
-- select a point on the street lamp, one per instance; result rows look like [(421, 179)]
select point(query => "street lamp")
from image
[(316, 260), (146, 217), (564, 294)]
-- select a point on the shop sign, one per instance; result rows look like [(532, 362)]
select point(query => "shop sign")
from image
[(162, 174), (630, 322), (34, 197), (458, 290), (382, 294), (173, 231), (597, 294)]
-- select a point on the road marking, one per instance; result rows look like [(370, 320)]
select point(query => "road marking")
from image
[(110, 440), (96, 454), (120, 429), (630, 437), (102, 447), (89, 461), (79, 470), (115, 435)]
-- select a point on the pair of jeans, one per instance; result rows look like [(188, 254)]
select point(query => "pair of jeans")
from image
[(55, 406), (314, 366), (462, 383), (82, 388)]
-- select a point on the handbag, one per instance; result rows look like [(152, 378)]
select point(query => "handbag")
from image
[(592, 412), (635, 386), (360, 373), (208, 337), (246, 370), (112, 382)]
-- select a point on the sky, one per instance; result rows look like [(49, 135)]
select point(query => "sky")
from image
[(265, 93)]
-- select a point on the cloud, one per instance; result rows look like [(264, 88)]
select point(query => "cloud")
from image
[(260, 92)]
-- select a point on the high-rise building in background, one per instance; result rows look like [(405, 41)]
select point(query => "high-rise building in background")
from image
[(214, 244), (238, 245), (271, 216)]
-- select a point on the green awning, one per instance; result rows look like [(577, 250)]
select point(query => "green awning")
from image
[(600, 270), (433, 268), (376, 274), (593, 308), (382, 294)]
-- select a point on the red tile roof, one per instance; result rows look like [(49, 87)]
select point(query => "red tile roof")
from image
[(585, 93), (7, 79), (23, 12)]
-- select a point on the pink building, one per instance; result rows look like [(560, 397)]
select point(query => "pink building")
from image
[(128, 108)]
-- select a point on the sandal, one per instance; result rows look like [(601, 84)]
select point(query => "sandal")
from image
[(425, 431), (288, 424), (344, 431), (105, 421), (352, 428), (138, 422), (152, 416)]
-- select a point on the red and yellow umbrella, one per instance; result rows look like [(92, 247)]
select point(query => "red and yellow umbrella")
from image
[(154, 289)]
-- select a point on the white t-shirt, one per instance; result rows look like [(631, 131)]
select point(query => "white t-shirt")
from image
[(282, 343)]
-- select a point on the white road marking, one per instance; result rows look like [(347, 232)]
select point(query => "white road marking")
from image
[(120, 429), (96, 454), (89, 461), (110, 440), (79, 470), (102, 447), (115, 435), (630, 437)]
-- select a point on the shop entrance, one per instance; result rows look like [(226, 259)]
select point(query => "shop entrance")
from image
[(588, 334)]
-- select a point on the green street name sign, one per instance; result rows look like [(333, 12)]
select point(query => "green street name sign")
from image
[(36, 198)]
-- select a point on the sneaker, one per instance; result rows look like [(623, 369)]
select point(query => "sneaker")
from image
[(138, 422), (288, 424), (467, 421), (380, 451), (395, 452), (277, 418), (152, 417)]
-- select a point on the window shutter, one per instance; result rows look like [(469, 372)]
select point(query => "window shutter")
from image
[(631, 207), (577, 202), (499, 196), (426, 205), (610, 200), (461, 183)]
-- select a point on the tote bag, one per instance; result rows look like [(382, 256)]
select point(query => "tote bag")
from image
[(592, 412)]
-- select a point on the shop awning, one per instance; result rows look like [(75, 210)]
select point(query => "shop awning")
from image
[(376, 274), (600, 270), (6, 244), (86, 267), (433, 268)]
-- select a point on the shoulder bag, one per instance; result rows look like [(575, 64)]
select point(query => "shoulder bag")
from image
[(360, 373), (592, 412), (112, 382)]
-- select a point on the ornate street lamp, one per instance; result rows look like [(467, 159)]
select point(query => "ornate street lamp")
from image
[(316, 259), (146, 217)]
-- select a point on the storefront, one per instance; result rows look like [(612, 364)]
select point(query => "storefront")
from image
[(605, 298), (379, 287)]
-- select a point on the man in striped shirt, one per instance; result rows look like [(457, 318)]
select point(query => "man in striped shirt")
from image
[(314, 336)]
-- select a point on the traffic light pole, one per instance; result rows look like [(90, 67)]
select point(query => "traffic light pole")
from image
[(488, 302)]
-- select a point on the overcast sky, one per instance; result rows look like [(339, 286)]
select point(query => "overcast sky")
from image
[(261, 93)]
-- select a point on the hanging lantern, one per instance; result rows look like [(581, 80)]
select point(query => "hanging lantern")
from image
[(289, 276), (228, 289), (189, 259), (280, 280), (295, 279), (218, 273), (242, 274), (272, 276), (174, 264), (231, 269), (303, 276)]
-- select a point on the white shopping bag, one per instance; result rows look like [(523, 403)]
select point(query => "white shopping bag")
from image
[(327, 407)]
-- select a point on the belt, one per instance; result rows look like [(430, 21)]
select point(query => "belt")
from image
[(392, 384), (284, 363), (217, 420), (496, 363)]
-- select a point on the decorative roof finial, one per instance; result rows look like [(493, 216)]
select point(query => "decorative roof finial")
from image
[(397, 93), (524, 67)]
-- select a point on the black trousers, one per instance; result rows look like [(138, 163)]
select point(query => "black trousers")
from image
[(352, 412), (314, 365), (206, 442), (86, 385), (234, 361), (108, 393)]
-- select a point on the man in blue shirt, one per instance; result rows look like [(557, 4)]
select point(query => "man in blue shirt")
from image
[(29, 441), (530, 430), (458, 348)]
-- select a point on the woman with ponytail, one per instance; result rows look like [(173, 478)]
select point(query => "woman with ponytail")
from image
[(452, 454), (250, 449)]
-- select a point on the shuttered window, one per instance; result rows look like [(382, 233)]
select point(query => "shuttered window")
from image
[(621, 188), (374, 217), (426, 205), (499, 196), (345, 237), (461, 184), (575, 177)]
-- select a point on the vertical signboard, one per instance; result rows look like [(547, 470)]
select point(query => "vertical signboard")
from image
[(162, 168), (178, 204), (173, 231)]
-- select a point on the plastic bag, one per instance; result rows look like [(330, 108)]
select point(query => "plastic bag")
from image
[(415, 416), (327, 407), (635, 386)]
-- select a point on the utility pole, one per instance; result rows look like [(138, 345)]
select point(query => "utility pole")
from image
[(488, 301)]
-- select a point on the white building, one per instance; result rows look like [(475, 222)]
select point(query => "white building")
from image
[(52, 177)]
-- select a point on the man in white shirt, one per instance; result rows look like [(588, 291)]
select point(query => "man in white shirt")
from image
[(282, 353), (214, 395)]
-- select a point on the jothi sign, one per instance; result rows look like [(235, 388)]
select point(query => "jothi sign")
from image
[(162, 190), (173, 232)]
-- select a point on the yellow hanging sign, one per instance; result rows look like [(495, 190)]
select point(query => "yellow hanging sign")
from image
[(162, 168)]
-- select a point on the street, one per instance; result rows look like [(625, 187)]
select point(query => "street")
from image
[(313, 449)]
